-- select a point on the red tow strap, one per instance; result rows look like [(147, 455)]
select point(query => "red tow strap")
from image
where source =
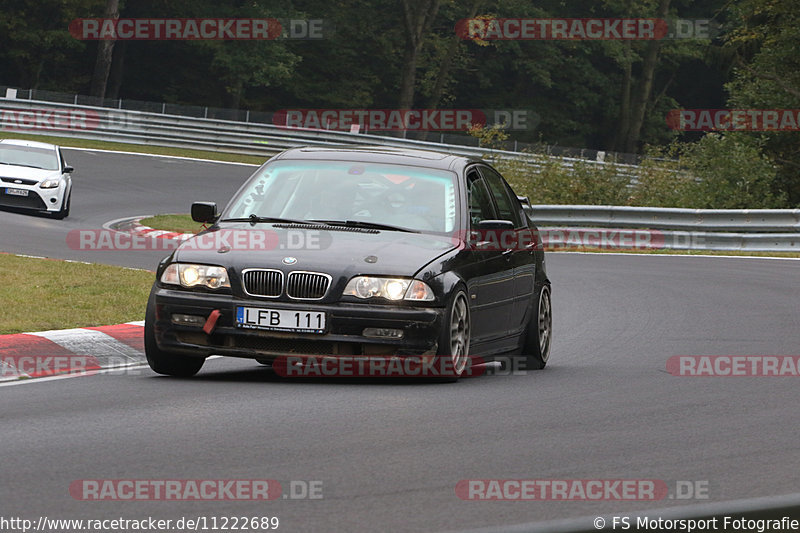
[(211, 322)]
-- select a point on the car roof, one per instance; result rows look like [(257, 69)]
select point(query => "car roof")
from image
[(385, 154), (29, 144)]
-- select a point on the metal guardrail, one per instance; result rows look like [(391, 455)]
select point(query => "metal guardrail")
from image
[(266, 117), (248, 138), (610, 239), (734, 220), (649, 228), (749, 230)]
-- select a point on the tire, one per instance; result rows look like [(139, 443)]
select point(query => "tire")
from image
[(539, 332), (454, 339), (161, 362), (64, 211)]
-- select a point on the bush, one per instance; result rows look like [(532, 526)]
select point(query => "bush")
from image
[(716, 173), (585, 182), (719, 172), (732, 173), (661, 182)]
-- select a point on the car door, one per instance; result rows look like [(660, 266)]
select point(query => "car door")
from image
[(491, 272), (519, 248)]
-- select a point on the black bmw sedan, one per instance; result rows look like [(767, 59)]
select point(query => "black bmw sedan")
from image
[(356, 252)]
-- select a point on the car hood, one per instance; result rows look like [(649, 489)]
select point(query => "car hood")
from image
[(27, 173), (334, 252)]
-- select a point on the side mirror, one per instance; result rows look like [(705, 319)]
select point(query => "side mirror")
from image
[(527, 208), (204, 212), (492, 234), (68, 170)]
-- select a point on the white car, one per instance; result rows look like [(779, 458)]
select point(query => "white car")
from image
[(34, 176)]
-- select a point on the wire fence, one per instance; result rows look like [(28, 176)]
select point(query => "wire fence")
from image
[(264, 117)]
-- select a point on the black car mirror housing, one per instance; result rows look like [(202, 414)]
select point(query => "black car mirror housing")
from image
[(204, 212)]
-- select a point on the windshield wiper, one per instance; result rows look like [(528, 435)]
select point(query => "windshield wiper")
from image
[(255, 219), (367, 225)]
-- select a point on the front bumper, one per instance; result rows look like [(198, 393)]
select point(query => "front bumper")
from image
[(344, 334), (37, 199)]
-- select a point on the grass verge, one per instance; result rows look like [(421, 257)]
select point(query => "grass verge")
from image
[(44, 294), (138, 148), (176, 223)]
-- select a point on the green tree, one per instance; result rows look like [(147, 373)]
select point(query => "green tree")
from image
[(38, 50), (732, 172), (105, 54), (765, 44)]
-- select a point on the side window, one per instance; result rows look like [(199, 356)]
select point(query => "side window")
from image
[(480, 205), (507, 207)]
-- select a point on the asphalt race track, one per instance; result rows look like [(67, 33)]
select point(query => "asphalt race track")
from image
[(111, 186), (389, 454)]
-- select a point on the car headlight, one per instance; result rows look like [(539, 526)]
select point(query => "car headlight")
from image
[(389, 288), (188, 275), (50, 183)]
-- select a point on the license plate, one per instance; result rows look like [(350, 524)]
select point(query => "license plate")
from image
[(301, 321), (16, 192)]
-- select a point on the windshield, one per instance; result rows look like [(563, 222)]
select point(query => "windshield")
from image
[(415, 198), (26, 156)]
